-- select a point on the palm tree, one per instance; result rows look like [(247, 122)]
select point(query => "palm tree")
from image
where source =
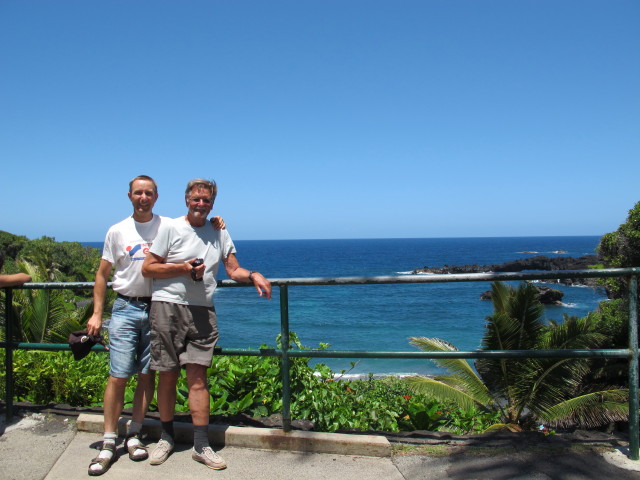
[(550, 390), (44, 316)]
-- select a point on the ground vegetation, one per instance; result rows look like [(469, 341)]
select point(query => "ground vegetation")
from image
[(528, 391)]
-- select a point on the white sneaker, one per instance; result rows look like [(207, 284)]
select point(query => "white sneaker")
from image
[(210, 458), (161, 452)]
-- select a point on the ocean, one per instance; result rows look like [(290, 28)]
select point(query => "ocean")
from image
[(381, 317)]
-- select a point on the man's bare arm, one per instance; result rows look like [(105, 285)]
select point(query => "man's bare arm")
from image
[(155, 267), (14, 279), (239, 274), (99, 290)]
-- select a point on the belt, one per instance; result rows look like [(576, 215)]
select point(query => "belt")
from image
[(135, 299)]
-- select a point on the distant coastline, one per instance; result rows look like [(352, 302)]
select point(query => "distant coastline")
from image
[(382, 317), (538, 263)]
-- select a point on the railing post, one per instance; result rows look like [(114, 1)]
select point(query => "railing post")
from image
[(285, 363), (8, 363), (634, 432)]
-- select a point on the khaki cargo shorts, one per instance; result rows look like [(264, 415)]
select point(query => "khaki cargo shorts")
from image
[(181, 334)]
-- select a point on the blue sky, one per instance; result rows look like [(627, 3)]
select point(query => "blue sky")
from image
[(323, 119)]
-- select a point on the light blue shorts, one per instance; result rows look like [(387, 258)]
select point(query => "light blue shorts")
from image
[(129, 338)]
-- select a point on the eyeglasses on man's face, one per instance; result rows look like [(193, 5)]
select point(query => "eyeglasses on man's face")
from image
[(205, 200)]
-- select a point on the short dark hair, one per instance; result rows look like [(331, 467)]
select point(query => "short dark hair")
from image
[(144, 177)]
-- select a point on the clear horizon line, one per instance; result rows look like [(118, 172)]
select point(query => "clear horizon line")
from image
[(383, 238)]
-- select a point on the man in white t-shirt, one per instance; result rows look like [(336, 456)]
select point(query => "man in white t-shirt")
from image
[(125, 247), (183, 321)]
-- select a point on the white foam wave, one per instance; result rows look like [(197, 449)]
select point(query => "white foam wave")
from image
[(365, 376), (557, 252)]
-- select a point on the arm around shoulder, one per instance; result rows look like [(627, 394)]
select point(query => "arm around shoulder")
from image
[(155, 267), (14, 280)]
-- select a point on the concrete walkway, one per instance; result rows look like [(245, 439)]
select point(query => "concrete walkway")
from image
[(49, 447)]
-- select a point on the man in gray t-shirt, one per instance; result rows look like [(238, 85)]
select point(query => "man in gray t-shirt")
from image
[(183, 321), (125, 248)]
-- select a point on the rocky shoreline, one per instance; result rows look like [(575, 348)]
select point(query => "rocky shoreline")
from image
[(540, 263)]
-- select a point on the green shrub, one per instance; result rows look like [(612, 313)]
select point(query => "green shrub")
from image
[(472, 420), (253, 386), (44, 377)]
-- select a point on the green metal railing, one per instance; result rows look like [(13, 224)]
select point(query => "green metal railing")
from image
[(285, 354)]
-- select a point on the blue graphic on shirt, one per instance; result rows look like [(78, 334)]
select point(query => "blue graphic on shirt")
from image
[(132, 251)]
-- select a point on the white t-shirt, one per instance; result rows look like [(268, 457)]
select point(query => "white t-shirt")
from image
[(125, 247), (177, 241)]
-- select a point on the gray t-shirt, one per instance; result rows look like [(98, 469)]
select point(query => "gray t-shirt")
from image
[(177, 241)]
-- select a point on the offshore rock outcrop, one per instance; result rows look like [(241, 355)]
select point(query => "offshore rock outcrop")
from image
[(540, 263), (546, 295)]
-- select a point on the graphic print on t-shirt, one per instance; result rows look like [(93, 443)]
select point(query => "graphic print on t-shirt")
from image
[(143, 248)]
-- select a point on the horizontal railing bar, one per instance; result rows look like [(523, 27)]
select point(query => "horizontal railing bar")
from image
[(47, 346), (395, 279), (274, 352), (452, 277), (599, 353)]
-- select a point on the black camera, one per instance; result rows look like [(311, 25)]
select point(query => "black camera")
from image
[(196, 263)]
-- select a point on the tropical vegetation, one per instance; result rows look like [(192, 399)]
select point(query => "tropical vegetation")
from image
[(490, 394), (243, 387), (57, 261), (622, 249), (48, 316), (527, 391)]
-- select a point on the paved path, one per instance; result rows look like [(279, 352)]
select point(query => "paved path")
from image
[(42, 447)]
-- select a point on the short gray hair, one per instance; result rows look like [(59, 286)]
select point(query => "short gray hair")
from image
[(206, 184)]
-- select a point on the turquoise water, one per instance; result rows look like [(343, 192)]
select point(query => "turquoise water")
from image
[(381, 317)]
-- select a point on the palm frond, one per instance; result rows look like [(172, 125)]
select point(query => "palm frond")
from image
[(500, 293), (517, 325), (476, 388), (573, 333), (548, 381), (589, 410), (38, 311), (504, 427), (525, 307), (501, 332), (71, 322), (514, 325), (444, 393), (455, 366)]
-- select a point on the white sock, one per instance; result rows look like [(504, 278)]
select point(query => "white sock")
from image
[(135, 427), (109, 437)]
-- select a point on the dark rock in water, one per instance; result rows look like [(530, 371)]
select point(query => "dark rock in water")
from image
[(488, 295), (539, 262), (546, 295), (550, 296)]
